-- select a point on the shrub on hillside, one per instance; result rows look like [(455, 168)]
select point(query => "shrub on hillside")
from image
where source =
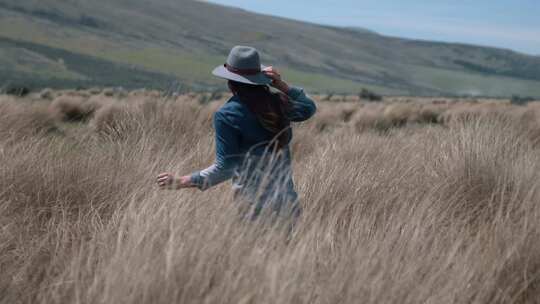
[(47, 94), (332, 116), (427, 114), (520, 100), (398, 114), (118, 92), (369, 95), (370, 117), (328, 96), (94, 91), (15, 90), (109, 92), (73, 109)]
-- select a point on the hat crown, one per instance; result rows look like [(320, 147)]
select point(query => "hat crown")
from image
[(244, 57), (243, 65)]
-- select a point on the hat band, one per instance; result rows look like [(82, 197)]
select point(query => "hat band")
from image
[(242, 71)]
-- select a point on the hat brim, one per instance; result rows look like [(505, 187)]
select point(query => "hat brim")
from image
[(255, 79)]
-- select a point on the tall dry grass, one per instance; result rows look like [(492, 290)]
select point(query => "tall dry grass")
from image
[(397, 208)]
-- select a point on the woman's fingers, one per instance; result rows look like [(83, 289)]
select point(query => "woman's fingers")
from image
[(164, 175), (164, 179), (164, 182), (270, 69), (170, 181), (271, 72)]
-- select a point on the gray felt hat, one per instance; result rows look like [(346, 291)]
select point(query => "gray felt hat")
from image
[(243, 65)]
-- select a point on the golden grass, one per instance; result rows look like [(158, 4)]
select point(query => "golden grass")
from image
[(19, 121), (412, 202)]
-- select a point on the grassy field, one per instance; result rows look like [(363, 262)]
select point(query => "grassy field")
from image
[(410, 200)]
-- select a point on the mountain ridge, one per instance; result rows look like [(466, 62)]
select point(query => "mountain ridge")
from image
[(184, 40)]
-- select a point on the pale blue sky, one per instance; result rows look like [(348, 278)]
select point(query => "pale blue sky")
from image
[(513, 24)]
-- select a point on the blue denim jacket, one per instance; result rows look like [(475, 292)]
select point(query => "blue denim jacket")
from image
[(243, 153)]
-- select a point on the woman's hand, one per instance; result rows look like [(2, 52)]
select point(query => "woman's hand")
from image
[(277, 82), (169, 182)]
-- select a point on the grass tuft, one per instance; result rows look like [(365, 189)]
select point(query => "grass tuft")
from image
[(73, 109)]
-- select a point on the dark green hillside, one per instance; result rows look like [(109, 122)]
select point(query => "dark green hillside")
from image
[(38, 65), (143, 43)]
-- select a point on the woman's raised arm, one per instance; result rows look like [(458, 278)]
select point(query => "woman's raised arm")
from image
[(302, 107)]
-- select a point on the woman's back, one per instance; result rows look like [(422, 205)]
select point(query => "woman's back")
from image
[(252, 135), (247, 153)]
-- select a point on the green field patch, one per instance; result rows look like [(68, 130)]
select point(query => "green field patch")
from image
[(473, 83), (323, 83)]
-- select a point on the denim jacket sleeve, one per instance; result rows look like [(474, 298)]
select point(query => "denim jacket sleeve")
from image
[(302, 107), (227, 155)]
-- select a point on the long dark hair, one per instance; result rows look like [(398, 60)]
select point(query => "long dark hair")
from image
[(270, 108)]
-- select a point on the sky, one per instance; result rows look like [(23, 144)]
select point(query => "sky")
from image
[(509, 24)]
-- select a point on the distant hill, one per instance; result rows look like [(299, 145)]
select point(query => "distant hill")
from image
[(152, 43)]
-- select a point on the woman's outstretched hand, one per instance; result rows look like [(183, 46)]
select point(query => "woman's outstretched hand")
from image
[(277, 82), (167, 181)]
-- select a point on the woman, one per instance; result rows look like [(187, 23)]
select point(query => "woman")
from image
[(252, 136)]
